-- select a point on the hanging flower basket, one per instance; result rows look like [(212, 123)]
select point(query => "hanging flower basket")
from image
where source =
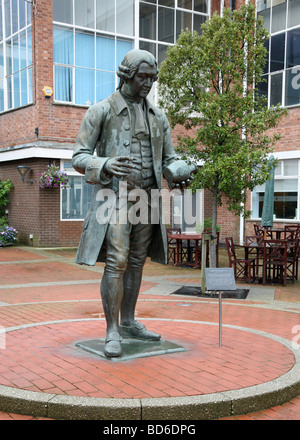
[(53, 178)]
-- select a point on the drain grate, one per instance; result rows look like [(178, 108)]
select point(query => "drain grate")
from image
[(196, 291)]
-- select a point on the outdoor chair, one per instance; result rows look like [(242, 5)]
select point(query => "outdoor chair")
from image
[(291, 232), (172, 246), (275, 261), (292, 259), (244, 269), (254, 239), (255, 243), (260, 231), (185, 251)]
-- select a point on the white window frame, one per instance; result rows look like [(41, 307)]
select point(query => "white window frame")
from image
[(73, 173), (282, 156), (95, 32), (28, 68), (285, 69), (135, 38)]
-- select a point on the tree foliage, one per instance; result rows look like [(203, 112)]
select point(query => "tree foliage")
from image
[(5, 187), (209, 82)]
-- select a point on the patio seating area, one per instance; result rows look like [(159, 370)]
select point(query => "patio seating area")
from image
[(185, 249), (274, 253), (269, 256)]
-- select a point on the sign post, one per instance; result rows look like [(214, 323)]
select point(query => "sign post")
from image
[(220, 279)]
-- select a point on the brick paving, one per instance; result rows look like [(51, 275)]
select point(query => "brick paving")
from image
[(47, 304)]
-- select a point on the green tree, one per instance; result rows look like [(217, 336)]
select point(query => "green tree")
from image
[(208, 83)]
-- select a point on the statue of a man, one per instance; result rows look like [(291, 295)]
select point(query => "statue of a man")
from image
[(132, 142)]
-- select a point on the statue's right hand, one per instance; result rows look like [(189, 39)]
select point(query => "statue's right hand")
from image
[(119, 166)]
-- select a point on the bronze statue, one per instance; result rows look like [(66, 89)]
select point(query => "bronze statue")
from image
[(133, 144)]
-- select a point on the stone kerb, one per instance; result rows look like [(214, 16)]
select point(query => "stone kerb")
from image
[(198, 407)]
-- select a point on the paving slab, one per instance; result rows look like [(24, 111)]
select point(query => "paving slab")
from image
[(48, 306)]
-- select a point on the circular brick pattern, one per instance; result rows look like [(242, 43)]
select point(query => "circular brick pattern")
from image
[(42, 357), (47, 306)]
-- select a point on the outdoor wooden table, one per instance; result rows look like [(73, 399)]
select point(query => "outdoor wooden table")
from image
[(278, 232), (249, 247), (188, 237), (259, 248)]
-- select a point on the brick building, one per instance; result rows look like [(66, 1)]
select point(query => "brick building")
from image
[(74, 48)]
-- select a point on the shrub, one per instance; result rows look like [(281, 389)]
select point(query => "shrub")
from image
[(8, 235)]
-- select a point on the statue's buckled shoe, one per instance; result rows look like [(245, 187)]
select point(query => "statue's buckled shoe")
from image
[(139, 331), (112, 347)]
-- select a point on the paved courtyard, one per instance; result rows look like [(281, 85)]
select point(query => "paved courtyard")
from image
[(48, 304)]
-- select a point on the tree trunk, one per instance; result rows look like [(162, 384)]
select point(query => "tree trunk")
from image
[(213, 241)]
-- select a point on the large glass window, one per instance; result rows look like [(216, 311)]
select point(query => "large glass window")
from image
[(15, 54), (294, 13), (286, 192), (76, 197), (161, 22), (91, 37), (63, 11), (293, 48), (278, 15), (282, 19), (125, 17), (276, 86), (277, 52), (105, 16), (85, 58)]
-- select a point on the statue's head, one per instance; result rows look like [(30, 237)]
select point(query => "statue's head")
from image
[(131, 63)]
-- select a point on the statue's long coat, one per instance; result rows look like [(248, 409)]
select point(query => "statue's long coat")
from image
[(106, 130)]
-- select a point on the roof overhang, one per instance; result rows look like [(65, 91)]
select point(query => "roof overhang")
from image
[(48, 150)]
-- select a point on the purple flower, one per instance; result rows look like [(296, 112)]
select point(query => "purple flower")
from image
[(52, 178)]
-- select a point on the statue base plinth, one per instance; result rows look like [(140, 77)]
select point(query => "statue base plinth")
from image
[(131, 348)]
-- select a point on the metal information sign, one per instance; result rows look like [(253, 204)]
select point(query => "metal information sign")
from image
[(220, 279)]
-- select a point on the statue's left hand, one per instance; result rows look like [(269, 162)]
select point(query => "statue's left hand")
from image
[(182, 185)]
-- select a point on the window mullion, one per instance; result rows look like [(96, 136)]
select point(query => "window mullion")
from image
[(18, 6), (74, 64), (284, 71), (4, 56), (95, 60), (136, 24), (95, 56), (74, 60), (115, 38)]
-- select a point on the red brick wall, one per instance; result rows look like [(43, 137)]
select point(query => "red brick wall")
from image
[(55, 122), (36, 211), (289, 129), (17, 127)]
